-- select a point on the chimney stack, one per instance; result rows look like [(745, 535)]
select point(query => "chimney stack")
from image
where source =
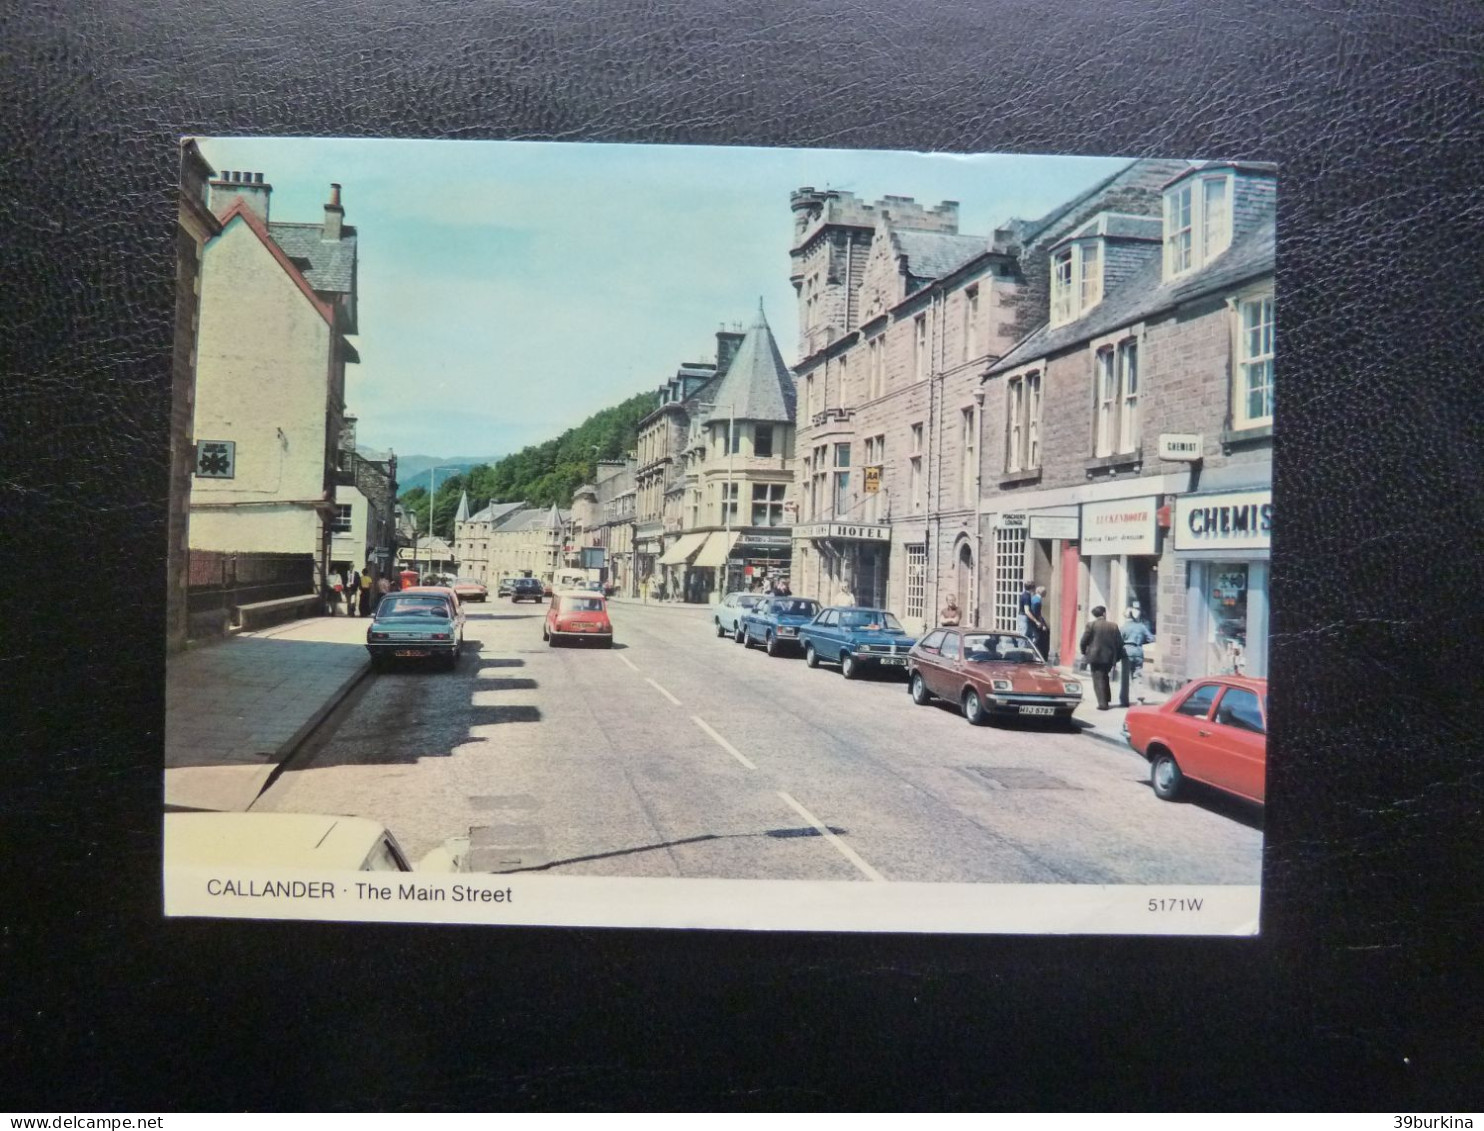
[(236, 185), (334, 215)]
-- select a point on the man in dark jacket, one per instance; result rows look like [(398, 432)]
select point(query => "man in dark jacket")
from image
[(1102, 647)]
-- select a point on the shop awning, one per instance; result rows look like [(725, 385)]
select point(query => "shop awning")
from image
[(714, 553), (684, 547)]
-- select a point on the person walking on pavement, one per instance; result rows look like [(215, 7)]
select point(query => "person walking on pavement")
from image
[(1040, 626), (1102, 647), (1027, 594), (949, 614), (363, 595), (383, 587), (1135, 635)]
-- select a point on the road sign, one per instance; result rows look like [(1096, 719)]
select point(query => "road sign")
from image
[(873, 478)]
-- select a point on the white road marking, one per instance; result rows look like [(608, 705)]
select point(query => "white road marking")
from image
[(628, 661), (662, 691), (723, 743), (845, 850)]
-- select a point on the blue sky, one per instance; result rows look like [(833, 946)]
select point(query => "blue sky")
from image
[(510, 289)]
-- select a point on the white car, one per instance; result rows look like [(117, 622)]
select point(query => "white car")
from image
[(726, 614), (295, 840)]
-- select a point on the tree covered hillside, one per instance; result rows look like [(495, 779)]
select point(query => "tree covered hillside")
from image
[(541, 474)]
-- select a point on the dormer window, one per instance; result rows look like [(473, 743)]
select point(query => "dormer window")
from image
[(1197, 222), (1076, 280)]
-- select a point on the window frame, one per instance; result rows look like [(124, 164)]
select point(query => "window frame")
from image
[(1024, 396), (1117, 428), (1243, 363), (1195, 233)]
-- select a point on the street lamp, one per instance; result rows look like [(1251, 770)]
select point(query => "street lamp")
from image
[(432, 497)]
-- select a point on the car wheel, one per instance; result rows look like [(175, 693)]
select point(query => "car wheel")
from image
[(719, 630), (771, 645), (974, 708), (849, 666), (811, 657), (918, 687), (1165, 776), (738, 636)]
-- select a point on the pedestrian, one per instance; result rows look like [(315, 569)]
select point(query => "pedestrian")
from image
[(1027, 594), (783, 589), (383, 587), (1040, 626), (844, 596), (949, 615), (1102, 647), (363, 592), (1135, 635)]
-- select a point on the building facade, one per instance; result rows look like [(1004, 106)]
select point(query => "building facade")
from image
[(1127, 442), (473, 538), (364, 526), (506, 540), (277, 302)]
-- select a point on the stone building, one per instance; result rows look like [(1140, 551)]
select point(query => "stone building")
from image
[(511, 540), (1126, 456), (277, 302), (195, 225), (613, 529), (363, 529), (901, 316), (473, 535)]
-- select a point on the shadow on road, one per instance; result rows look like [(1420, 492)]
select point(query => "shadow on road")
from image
[(703, 838), (511, 683), (501, 662), (1222, 804), (511, 713)]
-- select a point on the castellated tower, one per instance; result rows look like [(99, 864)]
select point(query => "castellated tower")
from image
[(832, 234)]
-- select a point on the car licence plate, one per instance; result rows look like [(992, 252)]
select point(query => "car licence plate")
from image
[(411, 653), (894, 661), (1038, 710)]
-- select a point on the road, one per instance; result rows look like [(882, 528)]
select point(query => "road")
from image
[(677, 754)]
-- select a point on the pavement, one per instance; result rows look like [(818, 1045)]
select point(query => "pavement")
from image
[(237, 709)]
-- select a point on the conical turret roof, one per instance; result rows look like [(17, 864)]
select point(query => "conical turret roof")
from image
[(757, 385), (462, 514)]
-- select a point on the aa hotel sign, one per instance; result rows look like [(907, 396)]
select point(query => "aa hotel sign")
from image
[(1236, 520), (1124, 526)]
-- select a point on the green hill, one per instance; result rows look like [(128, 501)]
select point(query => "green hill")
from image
[(542, 474)]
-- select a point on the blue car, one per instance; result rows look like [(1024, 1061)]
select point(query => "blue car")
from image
[(855, 639), (774, 623)]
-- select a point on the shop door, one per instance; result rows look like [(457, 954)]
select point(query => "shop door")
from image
[(1071, 562)]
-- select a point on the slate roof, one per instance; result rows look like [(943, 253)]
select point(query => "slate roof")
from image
[(534, 518), (328, 265), (931, 255), (495, 512), (757, 386), (1142, 295)]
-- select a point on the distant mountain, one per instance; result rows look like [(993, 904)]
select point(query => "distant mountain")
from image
[(415, 471)]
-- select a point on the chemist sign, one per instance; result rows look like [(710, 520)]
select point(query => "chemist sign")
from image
[(1234, 520), (1124, 526)]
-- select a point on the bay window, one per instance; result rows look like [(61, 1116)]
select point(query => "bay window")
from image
[(1198, 224)]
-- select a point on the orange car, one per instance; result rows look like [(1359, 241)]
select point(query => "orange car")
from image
[(1214, 731), (578, 616)]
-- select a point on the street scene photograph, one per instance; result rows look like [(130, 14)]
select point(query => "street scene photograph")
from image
[(736, 538)]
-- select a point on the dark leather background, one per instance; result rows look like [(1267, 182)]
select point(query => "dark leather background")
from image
[(1363, 991)]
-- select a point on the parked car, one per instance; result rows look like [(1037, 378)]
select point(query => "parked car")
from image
[(727, 613), (774, 622), (293, 840), (578, 615), (546, 590), (990, 673), (470, 589), (856, 639), (416, 624), (1213, 731), (507, 586), (526, 589)]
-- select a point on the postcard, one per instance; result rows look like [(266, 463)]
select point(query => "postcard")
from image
[(725, 538)]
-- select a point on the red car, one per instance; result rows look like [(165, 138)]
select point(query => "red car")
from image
[(578, 616), (1214, 731), (469, 589), (989, 673)]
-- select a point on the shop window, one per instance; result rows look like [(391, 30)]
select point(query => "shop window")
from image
[(1226, 616), (1009, 576), (1254, 392), (762, 440)]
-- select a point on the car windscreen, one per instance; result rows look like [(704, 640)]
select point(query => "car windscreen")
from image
[(582, 604), (989, 648), (747, 600), (794, 608), (413, 607), (871, 620)]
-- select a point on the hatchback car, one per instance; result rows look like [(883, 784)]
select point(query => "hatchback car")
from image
[(856, 639), (989, 673), (578, 615), (774, 623), (415, 625), (469, 589), (526, 589), (507, 586), (1213, 731), (727, 613)]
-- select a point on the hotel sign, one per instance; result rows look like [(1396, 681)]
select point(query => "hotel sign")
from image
[(1124, 526), (1234, 520), (845, 531)]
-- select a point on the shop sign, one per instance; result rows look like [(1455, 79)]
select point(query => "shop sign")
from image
[(845, 531), (1012, 521), (1063, 527), (1123, 526), (1181, 447), (1234, 520), (775, 540)]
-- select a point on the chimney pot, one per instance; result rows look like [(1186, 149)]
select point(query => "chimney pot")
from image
[(257, 178), (334, 194)]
